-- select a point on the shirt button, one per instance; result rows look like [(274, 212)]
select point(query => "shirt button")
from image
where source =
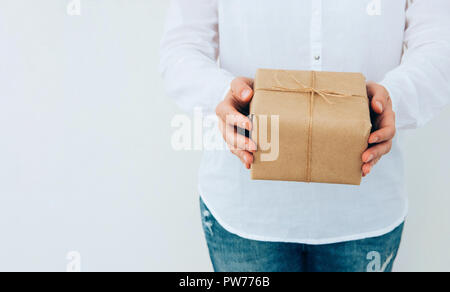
[(317, 58)]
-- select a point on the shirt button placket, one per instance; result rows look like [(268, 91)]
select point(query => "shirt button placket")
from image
[(316, 35)]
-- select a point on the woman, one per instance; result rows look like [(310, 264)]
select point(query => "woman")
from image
[(285, 226)]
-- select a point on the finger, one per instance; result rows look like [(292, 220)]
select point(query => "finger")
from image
[(379, 103), (386, 131), (380, 97), (367, 167), (245, 157), (227, 113), (237, 141), (239, 120), (377, 151), (384, 134), (242, 91)]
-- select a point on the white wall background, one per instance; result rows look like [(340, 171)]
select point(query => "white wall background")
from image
[(85, 157)]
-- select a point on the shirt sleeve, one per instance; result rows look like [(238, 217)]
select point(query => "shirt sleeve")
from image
[(420, 86), (189, 55)]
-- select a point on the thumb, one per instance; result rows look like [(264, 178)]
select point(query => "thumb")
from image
[(379, 97), (242, 89)]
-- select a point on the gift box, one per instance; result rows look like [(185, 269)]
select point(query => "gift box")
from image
[(310, 126)]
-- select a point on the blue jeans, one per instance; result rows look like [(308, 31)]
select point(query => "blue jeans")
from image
[(231, 253)]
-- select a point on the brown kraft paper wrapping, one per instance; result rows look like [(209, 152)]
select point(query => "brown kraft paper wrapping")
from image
[(322, 121)]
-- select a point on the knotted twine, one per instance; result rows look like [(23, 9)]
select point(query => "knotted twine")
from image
[(313, 91)]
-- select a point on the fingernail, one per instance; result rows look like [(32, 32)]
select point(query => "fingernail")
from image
[(379, 105), (246, 160), (246, 93), (247, 125), (374, 140), (369, 158)]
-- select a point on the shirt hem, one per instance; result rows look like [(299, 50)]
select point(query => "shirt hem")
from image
[(333, 240)]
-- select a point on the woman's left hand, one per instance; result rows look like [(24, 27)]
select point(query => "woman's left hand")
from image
[(383, 120)]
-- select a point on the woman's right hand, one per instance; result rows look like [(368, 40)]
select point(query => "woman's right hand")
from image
[(232, 113)]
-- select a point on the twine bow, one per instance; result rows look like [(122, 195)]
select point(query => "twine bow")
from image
[(313, 91)]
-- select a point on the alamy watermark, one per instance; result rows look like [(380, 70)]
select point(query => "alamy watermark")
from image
[(74, 8), (201, 132), (74, 262), (374, 8), (375, 265)]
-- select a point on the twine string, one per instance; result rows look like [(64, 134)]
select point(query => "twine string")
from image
[(313, 91)]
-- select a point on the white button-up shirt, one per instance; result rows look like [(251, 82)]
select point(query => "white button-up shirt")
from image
[(210, 42)]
